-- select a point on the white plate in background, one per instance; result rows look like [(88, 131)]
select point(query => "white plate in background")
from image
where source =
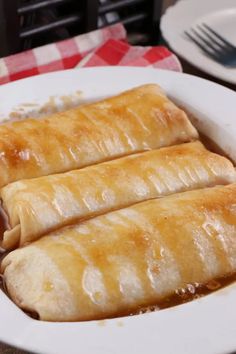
[(206, 325), (218, 14)]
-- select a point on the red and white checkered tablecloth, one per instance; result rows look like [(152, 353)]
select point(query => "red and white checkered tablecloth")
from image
[(105, 46)]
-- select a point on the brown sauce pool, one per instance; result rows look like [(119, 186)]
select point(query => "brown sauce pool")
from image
[(181, 296), (191, 292), (212, 146)]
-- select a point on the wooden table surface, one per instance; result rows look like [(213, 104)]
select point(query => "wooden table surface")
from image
[(6, 349), (189, 69)]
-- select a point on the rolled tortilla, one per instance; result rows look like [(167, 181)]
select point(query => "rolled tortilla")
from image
[(36, 207), (131, 258), (136, 120)]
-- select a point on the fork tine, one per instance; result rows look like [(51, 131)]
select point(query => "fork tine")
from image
[(206, 41), (218, 36), (201, 46), (214, 38)]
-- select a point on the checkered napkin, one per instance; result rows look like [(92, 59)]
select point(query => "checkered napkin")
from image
[(105, 46), (115, 52)]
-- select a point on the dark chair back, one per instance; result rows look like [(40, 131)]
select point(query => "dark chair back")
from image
[(27, 24)]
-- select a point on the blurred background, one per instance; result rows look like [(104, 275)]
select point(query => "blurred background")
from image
[(26, 24)]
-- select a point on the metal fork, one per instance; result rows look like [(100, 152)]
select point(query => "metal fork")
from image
[(213, 44)]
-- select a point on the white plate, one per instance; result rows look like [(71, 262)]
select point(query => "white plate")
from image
[(206, 325), (219, 14)]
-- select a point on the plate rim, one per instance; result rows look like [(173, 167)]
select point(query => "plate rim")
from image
[(31, 330), (164, 24)]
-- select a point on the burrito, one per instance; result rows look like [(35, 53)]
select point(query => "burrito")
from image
[(137, 120), (119, 262), (35, 207)]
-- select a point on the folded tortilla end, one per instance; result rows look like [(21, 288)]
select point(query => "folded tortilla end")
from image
[(11, 238)]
